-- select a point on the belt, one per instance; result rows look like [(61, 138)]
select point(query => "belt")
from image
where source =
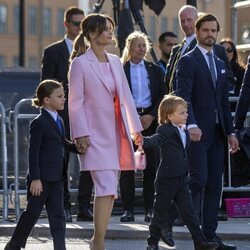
[(143, 110)]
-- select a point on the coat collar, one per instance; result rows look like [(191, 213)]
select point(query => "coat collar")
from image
[(95, 64), (52, 121)]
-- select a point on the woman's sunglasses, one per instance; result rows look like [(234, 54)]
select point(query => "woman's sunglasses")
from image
[(229, 50)]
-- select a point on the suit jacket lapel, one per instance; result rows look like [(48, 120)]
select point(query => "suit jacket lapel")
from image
[(65, 51), (176, 131), (94, 63), (127, 72), (53, 123), (199, 56)]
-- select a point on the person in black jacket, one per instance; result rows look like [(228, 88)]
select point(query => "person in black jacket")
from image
[(188, 15), (55, 65), (243, 104), (146, 82), (46, 169), (171, 183)]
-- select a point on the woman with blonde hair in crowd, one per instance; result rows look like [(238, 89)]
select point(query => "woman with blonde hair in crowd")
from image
[(146, 82), (102, 116)]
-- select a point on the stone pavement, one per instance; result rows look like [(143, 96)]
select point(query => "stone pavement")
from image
[(233, 229)]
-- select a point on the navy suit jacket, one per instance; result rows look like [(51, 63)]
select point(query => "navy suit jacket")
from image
[(157, 86), (218, 50), (195, 85), (55, 65), (174, 161), (46, 149), (244, 100)]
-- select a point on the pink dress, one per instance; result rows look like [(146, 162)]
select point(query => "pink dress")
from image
[(106, 181)]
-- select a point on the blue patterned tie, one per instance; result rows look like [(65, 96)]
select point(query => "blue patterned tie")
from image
[(59, 124), (211, 66)]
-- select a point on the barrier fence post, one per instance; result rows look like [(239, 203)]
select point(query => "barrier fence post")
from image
[(4, 161)]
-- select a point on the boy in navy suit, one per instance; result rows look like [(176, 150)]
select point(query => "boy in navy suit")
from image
[(45, 173), (171, 183)]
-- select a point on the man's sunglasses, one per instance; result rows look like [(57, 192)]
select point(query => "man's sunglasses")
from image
[(229, 50), (75, 23)]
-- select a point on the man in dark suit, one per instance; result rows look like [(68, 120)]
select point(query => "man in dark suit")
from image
[(202, 82), (243, 104), (187, 17), (55, 65), (146, 81)]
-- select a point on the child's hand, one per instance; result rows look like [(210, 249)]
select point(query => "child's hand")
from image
[(138, 139), (82, 143), (36, 187)]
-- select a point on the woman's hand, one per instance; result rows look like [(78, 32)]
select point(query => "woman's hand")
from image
[(82, 143)]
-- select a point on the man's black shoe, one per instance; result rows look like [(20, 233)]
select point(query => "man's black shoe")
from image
[(153, 247), (68, 216), (85, 215), (11, 247), (128, 216), (221, 245), (205, 245), (148, 215), (167, 237)]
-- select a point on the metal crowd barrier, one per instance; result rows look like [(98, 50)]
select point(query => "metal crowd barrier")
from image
[(4, 191), (229, 187), (18, 116)]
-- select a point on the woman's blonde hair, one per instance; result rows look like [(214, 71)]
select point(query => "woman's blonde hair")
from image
[(168, 106), (126, 55), (91, 23)]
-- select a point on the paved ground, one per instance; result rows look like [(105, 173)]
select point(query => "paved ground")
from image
[(233, 229), (40, 243)]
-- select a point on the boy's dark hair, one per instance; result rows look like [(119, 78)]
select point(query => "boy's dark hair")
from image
[(166, 34), (44, 89), (73, 10), (206, 18)]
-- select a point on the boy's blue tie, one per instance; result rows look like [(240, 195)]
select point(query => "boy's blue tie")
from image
[(59, 124)]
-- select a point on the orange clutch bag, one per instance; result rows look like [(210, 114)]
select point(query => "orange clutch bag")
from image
[(140, 159)]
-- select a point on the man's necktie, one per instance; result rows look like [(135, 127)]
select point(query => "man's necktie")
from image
[(211, 67), (177, 58), (59, 124)]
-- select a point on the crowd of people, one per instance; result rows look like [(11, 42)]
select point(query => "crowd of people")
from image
[(102, 107)]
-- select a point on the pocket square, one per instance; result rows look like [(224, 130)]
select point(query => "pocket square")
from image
[(223, 71)]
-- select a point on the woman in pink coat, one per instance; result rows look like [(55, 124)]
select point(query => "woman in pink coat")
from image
[(102, 116)]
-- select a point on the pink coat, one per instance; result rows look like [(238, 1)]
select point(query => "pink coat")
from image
[(92, 113)]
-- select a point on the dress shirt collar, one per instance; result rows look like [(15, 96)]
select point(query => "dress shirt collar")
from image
[(135, 64), (69, 43), (204, 51), (189, 39), (52, 113)]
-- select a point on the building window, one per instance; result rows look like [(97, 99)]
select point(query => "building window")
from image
[(3, 18), (152, 28), (60, 21), (15, 61), (2, 62), (16, 14), (32, 63), (47, 21), (164, 24), (32, 20), (176, 26)]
